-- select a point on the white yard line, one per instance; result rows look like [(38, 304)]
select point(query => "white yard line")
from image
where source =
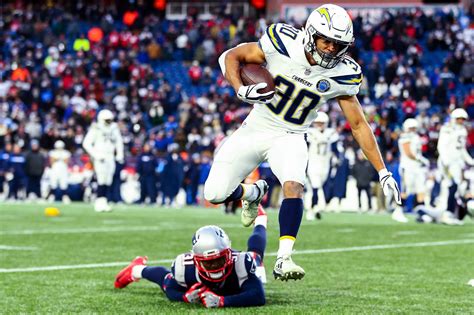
[(109, 229), (6, 247), (406, 233), (301, 252)]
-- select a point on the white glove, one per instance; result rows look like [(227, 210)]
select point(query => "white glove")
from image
[(250, 94), (119, 159), (424, 161), (389, 185), (193, 295), (211, 300)]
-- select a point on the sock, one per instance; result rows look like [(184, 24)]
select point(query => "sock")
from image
[(250, 192), (451, 198), (314, 200), (291, 213), (237, 194), (101, 190), (258, 240), (155, 274), (261, 220), (137, 271)]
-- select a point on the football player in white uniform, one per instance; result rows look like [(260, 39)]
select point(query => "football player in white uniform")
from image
[(59, 159), (309, 67), (452, 160), (413, 167), (104, 144), (321, 140)]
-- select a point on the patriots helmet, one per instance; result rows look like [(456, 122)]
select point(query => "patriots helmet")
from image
[(212, 253), (332, 23)]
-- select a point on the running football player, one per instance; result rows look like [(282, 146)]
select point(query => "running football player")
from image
[(309, 66)]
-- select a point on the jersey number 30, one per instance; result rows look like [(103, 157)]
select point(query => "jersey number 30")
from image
[(292, 114)]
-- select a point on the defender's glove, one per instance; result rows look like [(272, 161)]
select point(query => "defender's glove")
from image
[(389, 185), (250, 94), (210, 299), (194, 292)]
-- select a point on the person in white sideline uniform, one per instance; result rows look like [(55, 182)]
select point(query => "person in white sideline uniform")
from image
[(321, 141), (413, 168), (453, 158), (103, 142), (59, 159), (309, 67)]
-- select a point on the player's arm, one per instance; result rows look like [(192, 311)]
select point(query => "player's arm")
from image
[(361, 130), (407, 150), (252, 294), (88, 142), (366, 139), (231, 60)]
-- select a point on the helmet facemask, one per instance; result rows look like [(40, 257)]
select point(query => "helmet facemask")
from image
[(323, 59), (214, 266)]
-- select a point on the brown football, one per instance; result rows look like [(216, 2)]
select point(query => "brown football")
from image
[(253, 74)]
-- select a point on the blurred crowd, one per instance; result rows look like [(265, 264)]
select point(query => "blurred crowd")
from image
[(61, 64)]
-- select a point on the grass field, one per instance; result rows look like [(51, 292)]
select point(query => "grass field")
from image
[(67, 264)]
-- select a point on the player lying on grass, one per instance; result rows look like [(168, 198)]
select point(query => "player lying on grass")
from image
[(212, 273)]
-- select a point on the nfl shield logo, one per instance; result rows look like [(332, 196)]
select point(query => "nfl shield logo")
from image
[(323, 85), (307, 71)]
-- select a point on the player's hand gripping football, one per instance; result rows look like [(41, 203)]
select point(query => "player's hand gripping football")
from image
[(250, 94), (389, 185), (194, 293), (210, 300)]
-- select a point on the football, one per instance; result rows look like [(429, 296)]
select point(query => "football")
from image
[(253, 74)]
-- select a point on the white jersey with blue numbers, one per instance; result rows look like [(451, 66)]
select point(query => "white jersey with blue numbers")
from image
[(320, 143), (300, 88), (452, 143), (415, 147)]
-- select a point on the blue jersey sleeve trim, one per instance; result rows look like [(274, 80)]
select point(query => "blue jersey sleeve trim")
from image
[(276, 40)]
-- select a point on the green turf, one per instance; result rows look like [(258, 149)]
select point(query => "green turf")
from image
[(397, 280)]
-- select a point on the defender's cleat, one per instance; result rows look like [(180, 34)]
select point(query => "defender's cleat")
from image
[(285, 269), (250, 209), (125, 277)]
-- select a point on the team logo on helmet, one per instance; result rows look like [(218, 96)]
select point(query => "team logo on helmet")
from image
[(323, 85)]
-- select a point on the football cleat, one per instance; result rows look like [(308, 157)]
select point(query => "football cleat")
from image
[(449, 219), (397, 215), (125, 277), (285, 269), (250, 208)]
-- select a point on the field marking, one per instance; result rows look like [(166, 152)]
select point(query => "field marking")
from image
[(402, 233), (300, 252), (6, 247), (109, 229)]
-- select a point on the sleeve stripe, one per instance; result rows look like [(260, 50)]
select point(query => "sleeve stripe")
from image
[(352, 79), (276, 40)]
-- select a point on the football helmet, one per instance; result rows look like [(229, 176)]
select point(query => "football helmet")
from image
[(333, 23), (409, 124), (105, 117), (459, 113), (59, 145), (321, 120), (212, 253)]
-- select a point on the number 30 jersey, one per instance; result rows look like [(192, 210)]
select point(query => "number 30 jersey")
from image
[(300, 88)]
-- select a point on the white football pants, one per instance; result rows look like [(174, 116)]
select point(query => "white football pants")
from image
[(104, 171)]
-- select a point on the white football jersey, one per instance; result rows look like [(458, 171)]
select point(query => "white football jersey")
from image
[(103, 142), (59, 156), (300, 88), (320, 144), (452, 143), (415, 147)]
